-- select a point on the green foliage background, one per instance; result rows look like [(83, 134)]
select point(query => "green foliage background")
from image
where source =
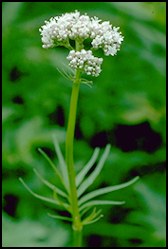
[(130, 92)]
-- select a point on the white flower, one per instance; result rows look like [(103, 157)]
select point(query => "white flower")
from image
[(85, 60), (108, 38), (60, 30)]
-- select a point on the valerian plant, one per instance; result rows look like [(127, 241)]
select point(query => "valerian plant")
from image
[(70, 30)]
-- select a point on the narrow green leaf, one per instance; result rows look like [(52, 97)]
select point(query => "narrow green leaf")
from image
[(106, 190), (89, 180), (55, 196), (87, 82), (92, 216), (83, 80), (61, 202), (85, 210), (65, 74), (62, 163), (54, 201), (93, 221), (37, 195), (60, 217), (50, 185), (81, 175), (53, 167), (100, 202)]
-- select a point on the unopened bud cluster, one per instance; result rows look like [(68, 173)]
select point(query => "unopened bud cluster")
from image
[(85, 60)]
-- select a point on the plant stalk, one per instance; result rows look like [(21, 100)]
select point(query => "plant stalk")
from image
[(77, 225), (77, 238)]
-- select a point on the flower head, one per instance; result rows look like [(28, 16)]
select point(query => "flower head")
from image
[(85, 60), (61, 30)]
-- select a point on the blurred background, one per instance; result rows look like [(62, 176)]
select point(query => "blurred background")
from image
[(125, 107)]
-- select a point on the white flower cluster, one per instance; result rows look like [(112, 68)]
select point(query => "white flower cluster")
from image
[(107, 38), (85, 60), (60, 30)]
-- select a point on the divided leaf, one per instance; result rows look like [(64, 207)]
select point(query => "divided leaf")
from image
[(92, 217), (100, 202), (62, 163), (89, 83), (37, 195), (89, 180), (106, 190), (50, 185), (81, 175), (43, 198), (65, 74), (59, 217), (53, 167)]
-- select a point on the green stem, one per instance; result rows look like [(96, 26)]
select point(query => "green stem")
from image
[(77, 239), (77, 225)]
